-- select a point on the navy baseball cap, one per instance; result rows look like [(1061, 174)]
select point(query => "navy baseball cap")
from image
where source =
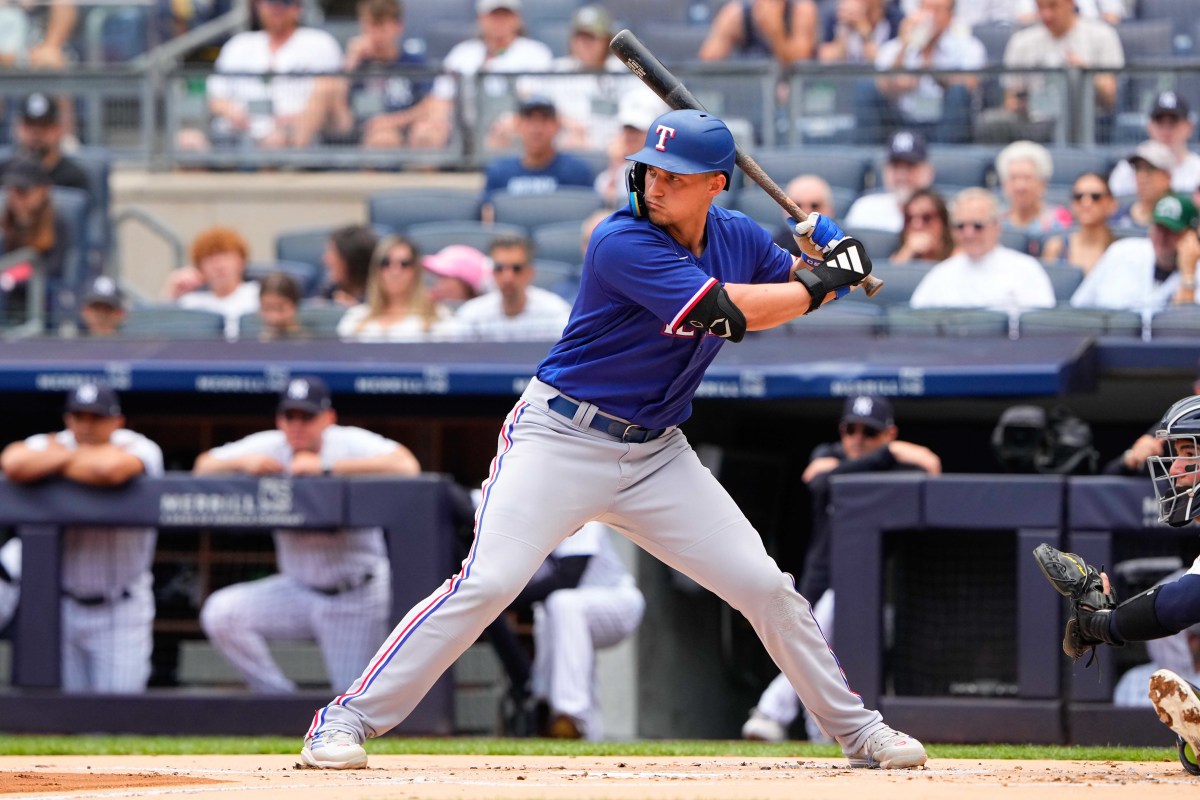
[(94, 398), (1169, 104), (871, 410), (104, 291), (537, 103), (39, 109), (908, 146), (306, 393)]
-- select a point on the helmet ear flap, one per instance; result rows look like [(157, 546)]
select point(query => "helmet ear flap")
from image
[(635, 182)]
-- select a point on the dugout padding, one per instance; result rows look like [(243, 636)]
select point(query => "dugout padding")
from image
[(418, 518)]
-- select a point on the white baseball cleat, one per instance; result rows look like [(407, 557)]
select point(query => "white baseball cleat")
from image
[(761, 728), (889, 749), (334, 750)]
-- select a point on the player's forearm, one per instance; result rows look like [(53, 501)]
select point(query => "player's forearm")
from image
[(102, 465), (25, 465), (768, 305), (397, 462), (208, 464)]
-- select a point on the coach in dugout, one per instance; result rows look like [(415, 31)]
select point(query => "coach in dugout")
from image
[(107, 595), (334, 587)]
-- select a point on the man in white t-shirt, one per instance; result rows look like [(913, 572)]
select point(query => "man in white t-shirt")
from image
[(107, 594), (584, 599), (906, 170), (1146, 273), (332, 586), (516, 310), (500, 47), (244, 103), (1169, 122), (983, 274)]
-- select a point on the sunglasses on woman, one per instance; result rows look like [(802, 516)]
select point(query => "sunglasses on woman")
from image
[(1095, 197), (388, 261), (924, 218)]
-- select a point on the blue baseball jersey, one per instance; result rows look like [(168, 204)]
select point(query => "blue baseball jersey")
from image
[(626, 347)]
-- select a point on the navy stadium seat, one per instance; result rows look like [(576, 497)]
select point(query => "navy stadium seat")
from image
[(559, 241), (952, 322), (530, 210), (399, 208), (1093, 321), (433, 236)]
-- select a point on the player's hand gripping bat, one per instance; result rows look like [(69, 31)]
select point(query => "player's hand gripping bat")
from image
[(642, 63)]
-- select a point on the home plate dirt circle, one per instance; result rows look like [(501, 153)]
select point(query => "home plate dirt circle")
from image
[(581, 778)]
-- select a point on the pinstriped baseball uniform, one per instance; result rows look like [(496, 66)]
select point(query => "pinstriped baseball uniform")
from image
[(594, 437), (108, 602), (332, 586), (570, 625)]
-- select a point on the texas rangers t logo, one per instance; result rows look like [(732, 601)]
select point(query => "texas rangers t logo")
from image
[(664, 132)]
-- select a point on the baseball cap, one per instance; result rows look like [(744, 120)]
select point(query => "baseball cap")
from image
[(104, 291), (871, 410), (460, 261), (592, 19), (907, 146), (306, 393), (25, 172), (1156, 154), (488, 6), (638, 109), (1176, 212), (93, 397), (39, 109), (537, 102), (1169, 104)]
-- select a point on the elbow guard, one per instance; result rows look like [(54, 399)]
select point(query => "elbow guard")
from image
[(715, 313)]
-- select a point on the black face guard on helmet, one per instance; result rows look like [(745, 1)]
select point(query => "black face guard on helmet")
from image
[(1176, 473)]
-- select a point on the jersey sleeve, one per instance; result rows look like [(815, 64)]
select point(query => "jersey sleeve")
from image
[(262, 443), (145, 450), (641, 267)]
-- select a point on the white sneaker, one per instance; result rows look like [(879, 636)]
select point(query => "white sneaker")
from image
[(889, 749), (1178, 708), (761, 728), (334, 749)]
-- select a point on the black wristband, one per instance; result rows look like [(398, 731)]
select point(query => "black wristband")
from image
[(816, 287)]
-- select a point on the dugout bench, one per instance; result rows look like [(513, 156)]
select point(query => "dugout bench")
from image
[(945, 623), (415, 513)]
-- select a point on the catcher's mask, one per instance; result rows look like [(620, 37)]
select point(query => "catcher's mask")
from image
[(685, 142), (1180, 428)]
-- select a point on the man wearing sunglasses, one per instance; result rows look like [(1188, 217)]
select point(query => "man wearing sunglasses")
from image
[(866, 443), (332, 586), (516, 309), (1152, 272), (982, 273)]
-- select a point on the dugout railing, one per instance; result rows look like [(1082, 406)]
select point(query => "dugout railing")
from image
[(417, 517), (945, 623)]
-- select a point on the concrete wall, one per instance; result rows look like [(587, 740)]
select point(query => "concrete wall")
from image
[(259, 205)]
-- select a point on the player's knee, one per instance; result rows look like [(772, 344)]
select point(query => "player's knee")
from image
[(217, 614)]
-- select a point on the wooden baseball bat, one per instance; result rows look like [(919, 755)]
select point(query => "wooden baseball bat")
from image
[(642, 63)]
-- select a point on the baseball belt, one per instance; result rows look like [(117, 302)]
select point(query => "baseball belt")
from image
[(610, 426)]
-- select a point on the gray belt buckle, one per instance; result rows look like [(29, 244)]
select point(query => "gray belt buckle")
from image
[(628, 428)]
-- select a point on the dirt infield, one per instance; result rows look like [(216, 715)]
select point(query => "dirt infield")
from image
[(581, 778)]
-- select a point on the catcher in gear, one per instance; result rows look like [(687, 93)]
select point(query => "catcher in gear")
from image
[(1163, 610)]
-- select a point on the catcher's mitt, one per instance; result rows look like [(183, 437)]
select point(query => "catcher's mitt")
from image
[(1083, 585)]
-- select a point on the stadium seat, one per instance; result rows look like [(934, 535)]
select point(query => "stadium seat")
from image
[(398, 208), (642, 12), (1085, 321), (172, 322), (530, 210), (1072, 161), (551, 274), (1146, 40), (1015, 240), (433, 236), (962, 166), (863, 319), (96, 162), (761, 207), (841, 170), (559, 241), (879, 244), (1176, 321), (670, 42), (899, 282), (306, 246), (321, 320), (421, 15), (953, 322), (1065, 279), (994, 36)]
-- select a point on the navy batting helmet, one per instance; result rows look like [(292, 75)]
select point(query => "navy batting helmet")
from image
[(1177, 489), (687, 142)]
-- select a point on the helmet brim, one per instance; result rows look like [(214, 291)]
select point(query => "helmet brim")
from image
[(653, 157)]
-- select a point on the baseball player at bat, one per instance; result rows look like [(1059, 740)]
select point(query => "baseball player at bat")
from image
[(1095, 618), (595, 437)]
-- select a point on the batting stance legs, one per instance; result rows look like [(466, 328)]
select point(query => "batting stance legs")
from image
[(659, 495)]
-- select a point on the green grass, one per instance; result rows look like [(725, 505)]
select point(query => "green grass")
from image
[(184, 745)]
